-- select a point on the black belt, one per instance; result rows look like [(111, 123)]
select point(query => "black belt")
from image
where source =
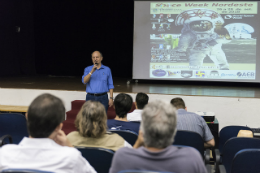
[(97, 94)]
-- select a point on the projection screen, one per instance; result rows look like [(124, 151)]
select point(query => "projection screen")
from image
[(196, 40)]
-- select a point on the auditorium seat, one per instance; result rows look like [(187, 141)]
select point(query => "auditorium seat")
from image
[(3, 140), (25, 171), (141, 171), (231, 147), (208, 167), (99, 158), (13, 124), (229, 132), (192, 139), (129, 136), (68, 124), (246, 160)]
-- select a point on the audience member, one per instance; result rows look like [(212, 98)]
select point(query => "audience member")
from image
[(154, 150), (122, 103), (47, 148), (91, 124), (141, 100), (192, 122)]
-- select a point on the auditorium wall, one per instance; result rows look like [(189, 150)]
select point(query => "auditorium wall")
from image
[(228, 110)]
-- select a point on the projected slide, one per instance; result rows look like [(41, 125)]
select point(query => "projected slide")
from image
[(203, 40)]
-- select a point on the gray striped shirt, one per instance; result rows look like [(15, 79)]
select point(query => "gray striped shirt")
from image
[(193, 122)]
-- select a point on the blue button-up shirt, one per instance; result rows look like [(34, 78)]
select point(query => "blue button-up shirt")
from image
[(100, 81)]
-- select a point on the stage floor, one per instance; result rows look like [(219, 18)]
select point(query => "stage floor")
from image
[(151, 87)]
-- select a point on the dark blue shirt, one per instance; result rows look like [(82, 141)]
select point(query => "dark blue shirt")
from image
[(123, 125), (100, 81)]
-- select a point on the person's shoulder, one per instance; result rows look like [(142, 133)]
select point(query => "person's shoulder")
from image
[(70, 151), (105, 67), (8, 147), (197, 116), (193, 114), (134, 123), (136, 112), (8, 150), (124, 151), (131, 113), (111, 135), (132, 117), (111, 120), (129, 123), (73, 134)]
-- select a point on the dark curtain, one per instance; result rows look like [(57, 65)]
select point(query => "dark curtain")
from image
[(16, 48), (68, 31)]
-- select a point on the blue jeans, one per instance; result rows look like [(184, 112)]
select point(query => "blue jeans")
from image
[(102, 99)]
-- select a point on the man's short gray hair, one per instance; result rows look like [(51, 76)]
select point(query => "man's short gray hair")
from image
[(158, 124)]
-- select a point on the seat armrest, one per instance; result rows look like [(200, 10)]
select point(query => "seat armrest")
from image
[(207, 156), (217, 155), (208, 167), (222, 169), (217, 163), (2, 138)]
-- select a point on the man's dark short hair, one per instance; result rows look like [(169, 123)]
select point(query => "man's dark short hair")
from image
[(45, 113), (178, 103), (123, 104), (141, 100)]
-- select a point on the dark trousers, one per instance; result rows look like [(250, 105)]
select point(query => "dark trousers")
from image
[(102, 99)]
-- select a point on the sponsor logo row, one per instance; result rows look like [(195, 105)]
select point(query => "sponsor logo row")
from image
[(217, 74)]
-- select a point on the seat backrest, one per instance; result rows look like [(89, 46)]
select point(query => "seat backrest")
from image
[(229, 132), (24, 171), (246, 160), (129, 136), (4, 138), (234, 145), (189, 138), (13, 124), (99, 158)]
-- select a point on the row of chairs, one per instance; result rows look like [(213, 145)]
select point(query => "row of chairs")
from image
[(99, 158), (15, 124), (236, 153), (95, 155), (239, 155)]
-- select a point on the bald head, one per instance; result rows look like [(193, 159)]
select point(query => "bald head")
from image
[(97, 57), (97, 52)]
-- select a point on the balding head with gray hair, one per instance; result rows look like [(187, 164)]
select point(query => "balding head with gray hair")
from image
[(158, 124)]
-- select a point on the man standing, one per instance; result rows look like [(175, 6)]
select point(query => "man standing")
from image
[(47, 148), (98, 79), (153, 149), (192, 122), (141, 100)]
